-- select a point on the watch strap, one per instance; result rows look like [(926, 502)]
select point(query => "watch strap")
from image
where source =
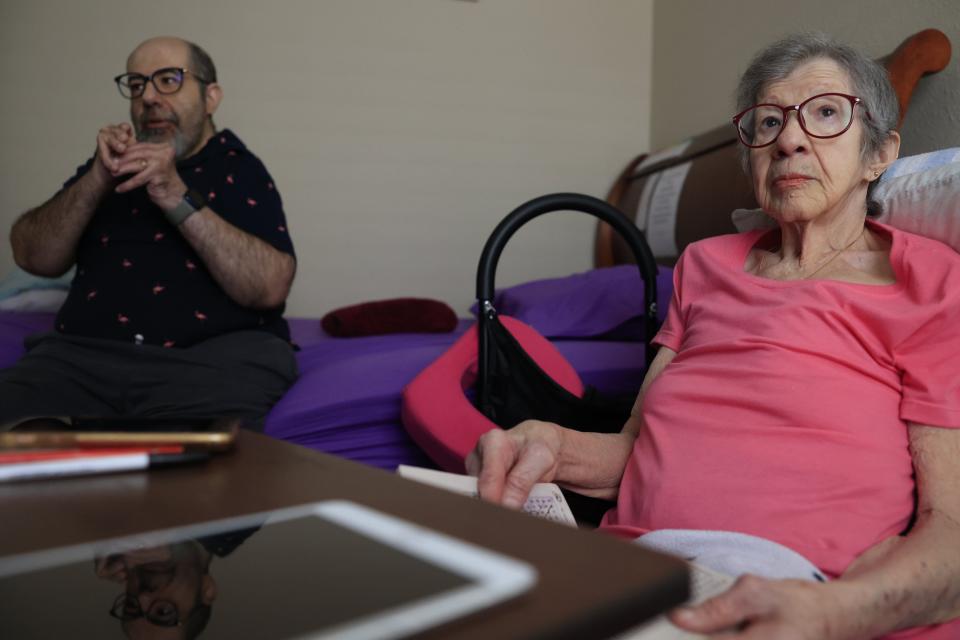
[(191, 203)]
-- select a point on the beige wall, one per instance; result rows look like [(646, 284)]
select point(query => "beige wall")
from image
[(702, 46), (398, 131)]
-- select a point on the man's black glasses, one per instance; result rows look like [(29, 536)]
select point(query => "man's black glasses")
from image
[(166, 81), (160, 613)]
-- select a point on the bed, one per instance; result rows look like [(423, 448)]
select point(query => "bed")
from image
[(347, 400)]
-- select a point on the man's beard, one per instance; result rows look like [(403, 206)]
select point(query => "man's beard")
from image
[(182, 142)]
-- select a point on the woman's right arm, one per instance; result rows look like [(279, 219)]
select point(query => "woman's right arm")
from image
[(509, 463)]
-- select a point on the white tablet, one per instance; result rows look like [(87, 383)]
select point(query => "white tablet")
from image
[(326, 570)]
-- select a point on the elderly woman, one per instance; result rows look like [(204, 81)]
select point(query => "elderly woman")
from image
[(803, 406)]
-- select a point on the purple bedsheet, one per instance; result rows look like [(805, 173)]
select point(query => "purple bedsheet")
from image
[(347, 399)]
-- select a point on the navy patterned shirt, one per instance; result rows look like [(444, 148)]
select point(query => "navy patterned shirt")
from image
[(138, 279)]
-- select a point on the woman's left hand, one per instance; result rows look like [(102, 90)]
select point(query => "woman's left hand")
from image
[(761, 609)]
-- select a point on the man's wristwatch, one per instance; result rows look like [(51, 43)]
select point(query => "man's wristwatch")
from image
[(192, 201)]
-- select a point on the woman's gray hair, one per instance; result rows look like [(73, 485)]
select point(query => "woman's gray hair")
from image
[(869, 82)]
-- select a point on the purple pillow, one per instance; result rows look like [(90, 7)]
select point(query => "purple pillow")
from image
[(582, 305)]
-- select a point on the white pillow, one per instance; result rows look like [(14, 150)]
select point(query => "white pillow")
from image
[(18, 281), (34, 300), (921, 162), (923, 202)]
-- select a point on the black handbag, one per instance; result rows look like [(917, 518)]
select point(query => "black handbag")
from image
[(511, 387)]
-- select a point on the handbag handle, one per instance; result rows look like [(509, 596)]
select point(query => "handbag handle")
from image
[(490, 256)]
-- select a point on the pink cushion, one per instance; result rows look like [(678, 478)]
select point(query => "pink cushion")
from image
[(439, 416)]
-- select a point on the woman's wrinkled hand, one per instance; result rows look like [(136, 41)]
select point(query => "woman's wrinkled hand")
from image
[(760, 609), (508, 463)]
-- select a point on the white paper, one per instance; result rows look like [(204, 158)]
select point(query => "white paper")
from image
[(643, 204), (664, 199), (545, 500), (665, 154)]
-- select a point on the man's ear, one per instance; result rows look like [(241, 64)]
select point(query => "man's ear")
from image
[(214, 94), (208, 589), (888, 152)]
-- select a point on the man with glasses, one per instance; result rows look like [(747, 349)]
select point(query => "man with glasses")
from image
[(168, 590), (183, 264)]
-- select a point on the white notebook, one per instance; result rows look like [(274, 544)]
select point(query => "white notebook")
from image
[(545, 500)]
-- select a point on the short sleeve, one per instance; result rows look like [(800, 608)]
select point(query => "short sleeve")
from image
[(250, 201), (929, 362), (672, 330)]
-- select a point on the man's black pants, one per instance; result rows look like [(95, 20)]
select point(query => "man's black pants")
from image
[(237, 374)]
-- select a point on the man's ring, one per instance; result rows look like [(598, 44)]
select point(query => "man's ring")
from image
[(143, 164)]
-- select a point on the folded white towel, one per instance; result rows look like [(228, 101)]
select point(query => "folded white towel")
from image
[(733, 553)]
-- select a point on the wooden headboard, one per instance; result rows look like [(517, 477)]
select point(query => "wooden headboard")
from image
[(715, 184)]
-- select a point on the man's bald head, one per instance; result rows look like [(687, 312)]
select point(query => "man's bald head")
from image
[(194, 57)]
